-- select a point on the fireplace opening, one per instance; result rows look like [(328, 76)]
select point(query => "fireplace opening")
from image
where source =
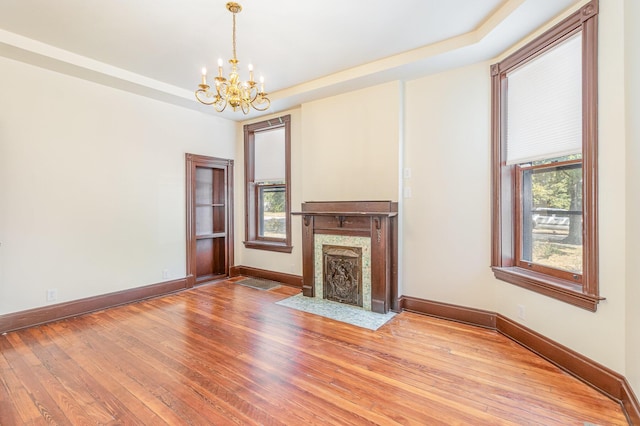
[(342, 274)]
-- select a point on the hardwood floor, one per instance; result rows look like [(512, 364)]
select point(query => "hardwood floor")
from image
[(227, 354)]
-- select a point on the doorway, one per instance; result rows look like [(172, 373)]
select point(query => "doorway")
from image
[(209, 218)]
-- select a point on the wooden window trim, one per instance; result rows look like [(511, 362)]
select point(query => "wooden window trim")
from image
[(504, 219), (252, 239)]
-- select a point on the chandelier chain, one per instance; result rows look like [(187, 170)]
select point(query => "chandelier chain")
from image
[(234, 36)]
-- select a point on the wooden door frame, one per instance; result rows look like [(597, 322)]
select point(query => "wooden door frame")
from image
[(192, 161)]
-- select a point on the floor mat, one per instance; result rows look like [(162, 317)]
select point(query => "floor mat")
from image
[(259, 283)]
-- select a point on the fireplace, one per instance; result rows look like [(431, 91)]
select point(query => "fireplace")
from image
[(342, 274), (344, 231)]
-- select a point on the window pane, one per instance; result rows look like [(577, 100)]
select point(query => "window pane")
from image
[(552, 217), (269, 155), (272, 218), (544, 101)]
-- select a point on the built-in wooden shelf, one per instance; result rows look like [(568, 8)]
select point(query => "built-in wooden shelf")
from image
[(214, 235)]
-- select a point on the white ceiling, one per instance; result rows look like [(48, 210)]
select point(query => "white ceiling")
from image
[(305, 49)]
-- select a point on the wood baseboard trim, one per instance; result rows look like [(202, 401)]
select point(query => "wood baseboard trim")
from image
[(248, 271), (37, 316), (450, 312), (590, 372), (630, 404)]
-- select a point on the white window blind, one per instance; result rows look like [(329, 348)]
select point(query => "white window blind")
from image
[(544, 105), (269, 156)]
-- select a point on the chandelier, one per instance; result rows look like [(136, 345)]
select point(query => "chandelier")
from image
[(241, 95)]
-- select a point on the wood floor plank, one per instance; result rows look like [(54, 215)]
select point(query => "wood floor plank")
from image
[(227, 354), (15, 402), (34, 378), (103, 392)]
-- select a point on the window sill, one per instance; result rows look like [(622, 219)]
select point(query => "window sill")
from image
[(565, 291), (269, 246)]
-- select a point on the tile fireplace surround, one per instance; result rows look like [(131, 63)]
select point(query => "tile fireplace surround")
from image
[(321, 240), (368, 225)]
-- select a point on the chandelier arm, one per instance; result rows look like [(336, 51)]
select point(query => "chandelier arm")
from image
[(262, 100), (220, 104), (206, 94)]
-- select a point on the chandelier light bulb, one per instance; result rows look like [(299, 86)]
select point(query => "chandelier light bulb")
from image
[(204, 76), (219, 67)]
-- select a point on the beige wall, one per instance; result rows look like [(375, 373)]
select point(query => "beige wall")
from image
[(92, 186), (447, 219), (350, 146), (632, 74)]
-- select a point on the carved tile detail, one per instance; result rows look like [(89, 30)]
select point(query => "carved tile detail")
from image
[(364, 243), (342, 274)]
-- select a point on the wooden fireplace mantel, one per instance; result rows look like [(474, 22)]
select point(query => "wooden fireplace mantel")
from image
[(376, 220)]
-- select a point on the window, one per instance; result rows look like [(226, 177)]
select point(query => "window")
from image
[(544, 131), (267, 180)]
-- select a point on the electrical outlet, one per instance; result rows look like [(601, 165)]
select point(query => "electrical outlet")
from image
[(407, 192), (521, 312), (406, 173), (52, 295), (165, 274)]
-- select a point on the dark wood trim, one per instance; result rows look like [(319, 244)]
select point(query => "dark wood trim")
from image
[(251, 202), (563, 290), (589, 14), (45, 314), (393, 246), (630, 404), (281, 277), (192, 161), (505, 220), (308, 225), (567, 28), (601, 378), (268, 245), (448, 311)]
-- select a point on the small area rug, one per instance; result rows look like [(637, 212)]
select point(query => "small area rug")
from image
[(258, 283), (337, 311)]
